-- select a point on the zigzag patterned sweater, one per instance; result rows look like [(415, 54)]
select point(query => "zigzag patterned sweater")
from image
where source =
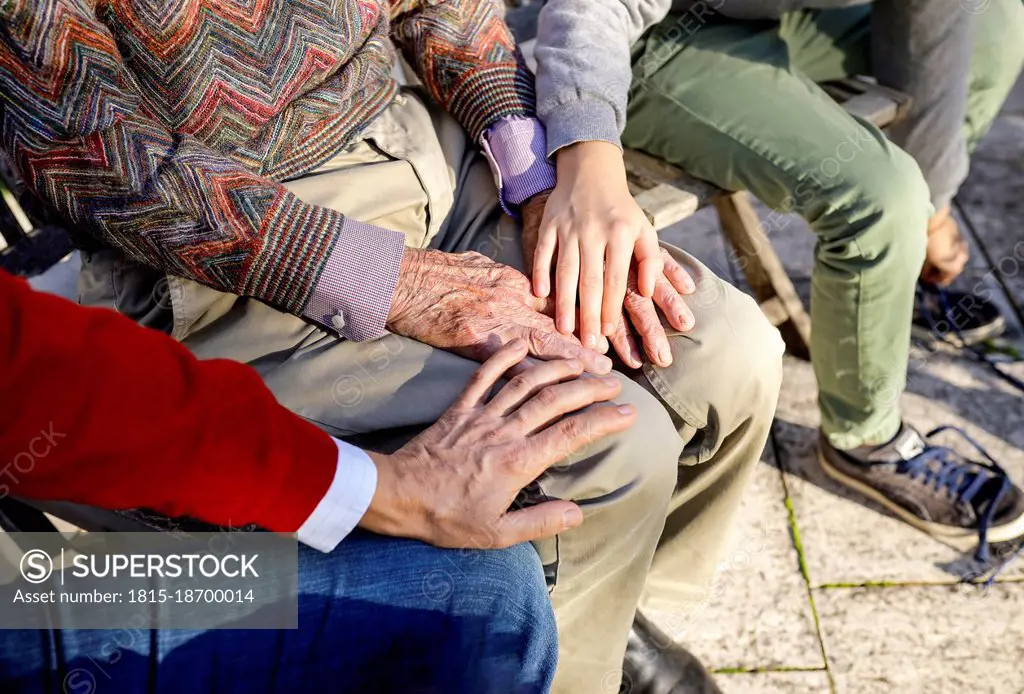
[(162, 127)]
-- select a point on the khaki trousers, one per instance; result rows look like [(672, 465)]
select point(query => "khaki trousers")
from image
[(702, 423)]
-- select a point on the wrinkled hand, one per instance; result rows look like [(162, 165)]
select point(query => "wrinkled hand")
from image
[(597, 230), (471, 305), (452, 485), (947, 251), (642, 313)]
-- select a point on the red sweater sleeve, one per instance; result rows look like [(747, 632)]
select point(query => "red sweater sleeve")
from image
[(97, 410)]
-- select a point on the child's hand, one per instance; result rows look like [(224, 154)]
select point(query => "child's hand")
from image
[(597, 229)]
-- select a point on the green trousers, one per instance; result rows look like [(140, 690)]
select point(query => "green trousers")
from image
[(736, 103)]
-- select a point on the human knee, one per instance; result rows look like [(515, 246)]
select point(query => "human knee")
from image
[(1008, 59), (907, 204), (624, 477), (504, 586), (728, 370), (524, 612), (500, 623), (883, 218), (754, 356), (503, 582), (653, 438), (639, 464)]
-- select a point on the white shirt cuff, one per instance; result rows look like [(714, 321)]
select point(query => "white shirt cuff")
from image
[(346, 500)]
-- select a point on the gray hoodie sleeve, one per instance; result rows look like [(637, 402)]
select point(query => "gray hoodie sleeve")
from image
[(583, 66)]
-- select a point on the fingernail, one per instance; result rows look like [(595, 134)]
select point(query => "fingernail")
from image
[(574, 364), (685, 321), (626, 410), (572, 517), (607, 328), (604, 364), (666, 355), (611, 381)]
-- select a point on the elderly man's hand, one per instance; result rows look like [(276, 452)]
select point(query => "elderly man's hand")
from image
[(641, 313), (471, 305), (454, 484)]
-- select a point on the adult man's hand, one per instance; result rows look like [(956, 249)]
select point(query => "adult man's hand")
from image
[(452, 485), (471, 305)]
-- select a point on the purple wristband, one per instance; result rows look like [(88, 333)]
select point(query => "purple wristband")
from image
[(516, 147)]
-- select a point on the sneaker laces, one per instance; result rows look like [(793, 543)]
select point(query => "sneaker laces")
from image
[(947, 470), (928, 289)]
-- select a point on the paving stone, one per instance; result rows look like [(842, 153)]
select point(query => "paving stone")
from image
[(815, 682), (755, 612), (847, 539), (924, 640)]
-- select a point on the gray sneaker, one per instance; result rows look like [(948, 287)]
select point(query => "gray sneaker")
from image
[(965, 503)]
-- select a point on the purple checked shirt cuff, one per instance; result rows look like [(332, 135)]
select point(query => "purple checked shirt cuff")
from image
[(353, 295), (516, 149)]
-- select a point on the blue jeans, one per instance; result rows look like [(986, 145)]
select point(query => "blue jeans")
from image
[(376, 615)]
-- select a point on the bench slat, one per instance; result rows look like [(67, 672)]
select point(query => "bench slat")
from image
[(665, 205), (872, 107)]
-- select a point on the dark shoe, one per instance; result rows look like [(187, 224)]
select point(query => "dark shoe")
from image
[(959, 318), (963, 502), (655, 664)]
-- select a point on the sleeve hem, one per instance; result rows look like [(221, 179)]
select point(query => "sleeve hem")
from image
[(346, 500), (515, 148), (357, 284), (581, 120)]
